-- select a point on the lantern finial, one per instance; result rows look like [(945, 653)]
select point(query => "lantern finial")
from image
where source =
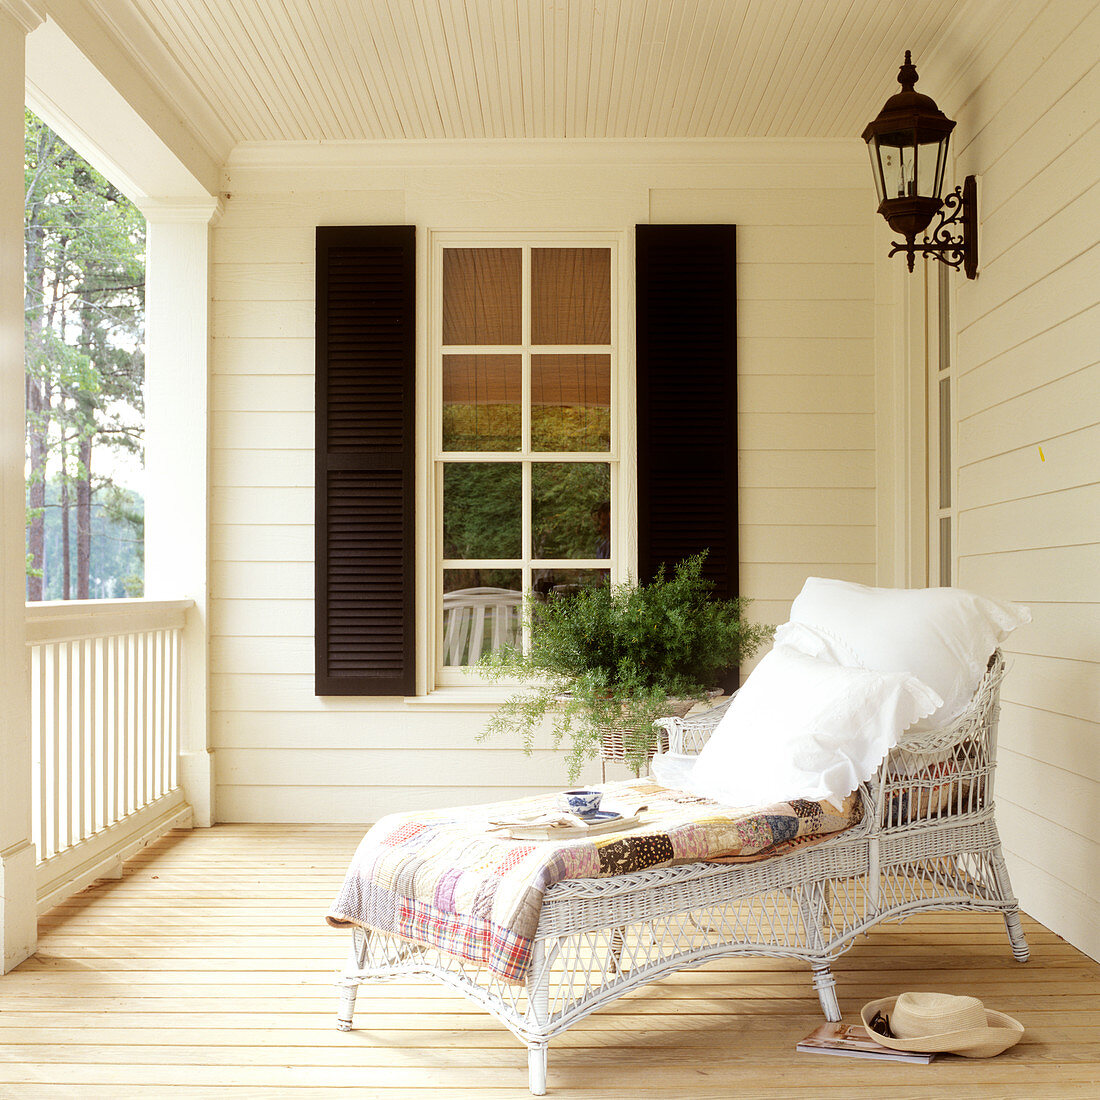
[(907, 74)]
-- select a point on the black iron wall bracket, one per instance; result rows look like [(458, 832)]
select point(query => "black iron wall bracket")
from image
[(960, 208)]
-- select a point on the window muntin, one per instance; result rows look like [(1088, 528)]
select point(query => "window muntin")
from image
[(525, 463)]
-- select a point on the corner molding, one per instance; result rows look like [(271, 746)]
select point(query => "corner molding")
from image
[(182, 210), (27, 14)]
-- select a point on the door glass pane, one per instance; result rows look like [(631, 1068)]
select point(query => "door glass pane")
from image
[(571, 509), (481, 402), (481, 296), (482, 611), (571, 296), (945, 551), (570, 402), (482, 510), (945, 442)]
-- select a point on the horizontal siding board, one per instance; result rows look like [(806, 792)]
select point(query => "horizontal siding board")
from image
[(1037, 786), (1054, 574), (808, 506), (263, 393), (272, 244), (1064, 348), (779, 206), (1057, 685), (805, 431), (1066, 517), (1070, 630), (311, 208), (809, 282), (274, 542), (268, 467), (805, 355), (809, 393), (229, 320), (265, 355), (1033, 417), (807, 469), (1063, 741), (1028, 313), (816, 320), (808, 545)]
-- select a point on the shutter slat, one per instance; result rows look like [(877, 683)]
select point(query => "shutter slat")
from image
[(687, 399), (365, 460)]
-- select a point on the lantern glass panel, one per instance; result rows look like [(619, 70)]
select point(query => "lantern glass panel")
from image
[(896, 155), (930, 165)]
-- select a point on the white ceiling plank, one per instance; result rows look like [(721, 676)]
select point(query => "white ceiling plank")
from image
[(482, 70)]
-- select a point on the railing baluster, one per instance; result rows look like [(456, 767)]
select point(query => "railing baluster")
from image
[(80, 757), (105, 711), (55, 661)]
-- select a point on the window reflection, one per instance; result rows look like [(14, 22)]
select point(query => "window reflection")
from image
[(481, 402), (570, 509), (482, 611), (482, 296), (482, 510), (571, 295), (570, 402)]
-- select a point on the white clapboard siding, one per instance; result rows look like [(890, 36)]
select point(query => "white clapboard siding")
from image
[(1028, 440), (806, 340)]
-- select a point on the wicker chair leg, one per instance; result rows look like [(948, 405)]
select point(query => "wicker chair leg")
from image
[(1020, 950), (348, 989), (536, 1068), (825, 984)]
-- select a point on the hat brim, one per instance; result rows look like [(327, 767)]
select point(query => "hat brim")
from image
[(1000, 1033)]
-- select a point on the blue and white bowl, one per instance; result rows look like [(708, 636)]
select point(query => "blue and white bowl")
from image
[(581, 802)]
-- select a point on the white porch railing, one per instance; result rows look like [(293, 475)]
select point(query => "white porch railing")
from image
[(106, 681)]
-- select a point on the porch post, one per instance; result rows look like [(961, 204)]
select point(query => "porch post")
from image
[(18, 913), (177, 426)]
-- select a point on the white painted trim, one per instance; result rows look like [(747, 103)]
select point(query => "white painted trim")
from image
[(206, 211), (102, 855), (27, 14), (66, 620), (508, 152), (623, 482)]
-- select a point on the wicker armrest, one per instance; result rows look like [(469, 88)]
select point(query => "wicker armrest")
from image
[(687, 736)]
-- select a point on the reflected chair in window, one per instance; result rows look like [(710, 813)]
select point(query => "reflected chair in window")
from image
[(479, 620)]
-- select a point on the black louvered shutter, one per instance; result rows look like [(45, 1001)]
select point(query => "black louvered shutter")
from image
[(365, 532), (687, 399)]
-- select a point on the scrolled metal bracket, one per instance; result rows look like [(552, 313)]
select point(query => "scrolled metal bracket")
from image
[(960, 208)]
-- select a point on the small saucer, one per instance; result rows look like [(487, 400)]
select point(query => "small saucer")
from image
[(598, 817)]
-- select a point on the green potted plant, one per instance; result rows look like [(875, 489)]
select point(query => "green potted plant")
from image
[(606, 662)]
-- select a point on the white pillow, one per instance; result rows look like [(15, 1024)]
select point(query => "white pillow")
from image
[(943, 636), (804, 727)]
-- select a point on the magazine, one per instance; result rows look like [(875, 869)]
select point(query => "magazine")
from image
[(852, 1041)]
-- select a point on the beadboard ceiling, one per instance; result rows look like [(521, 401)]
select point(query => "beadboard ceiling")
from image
[(313, 70)]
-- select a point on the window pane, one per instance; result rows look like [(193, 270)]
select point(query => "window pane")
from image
[(481, 296), (571, 296), (481, 402), (481, 510), (571, 509), (565, 582), (482, 611), (945, 551), (945, 442), (570, 402)]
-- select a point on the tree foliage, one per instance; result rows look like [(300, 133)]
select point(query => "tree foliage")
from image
[(84, 314)]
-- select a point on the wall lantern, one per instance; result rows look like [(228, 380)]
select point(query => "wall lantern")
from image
[(908, 147)]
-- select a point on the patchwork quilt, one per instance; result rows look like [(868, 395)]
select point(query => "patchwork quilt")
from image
[(441, 878)]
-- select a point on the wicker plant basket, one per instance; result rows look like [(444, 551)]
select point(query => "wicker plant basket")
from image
[(616, 741)]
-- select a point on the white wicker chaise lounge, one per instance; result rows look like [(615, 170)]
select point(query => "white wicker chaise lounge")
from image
[(927, 841)]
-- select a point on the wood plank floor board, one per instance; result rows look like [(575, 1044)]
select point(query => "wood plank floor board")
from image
[(206, 971)]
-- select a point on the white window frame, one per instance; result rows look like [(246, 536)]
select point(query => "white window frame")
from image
[(621, 457)]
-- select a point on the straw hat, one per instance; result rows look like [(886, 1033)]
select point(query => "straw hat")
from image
[(939, 1022)]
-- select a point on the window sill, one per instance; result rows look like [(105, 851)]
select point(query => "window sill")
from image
[(474, 697)]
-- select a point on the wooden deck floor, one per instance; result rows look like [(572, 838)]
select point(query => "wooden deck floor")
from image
[(206, 972)]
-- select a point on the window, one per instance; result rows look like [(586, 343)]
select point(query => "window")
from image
[(525, 448), (941, 469)]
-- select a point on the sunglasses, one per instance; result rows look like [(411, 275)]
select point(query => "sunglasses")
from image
[(880, 1024)]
